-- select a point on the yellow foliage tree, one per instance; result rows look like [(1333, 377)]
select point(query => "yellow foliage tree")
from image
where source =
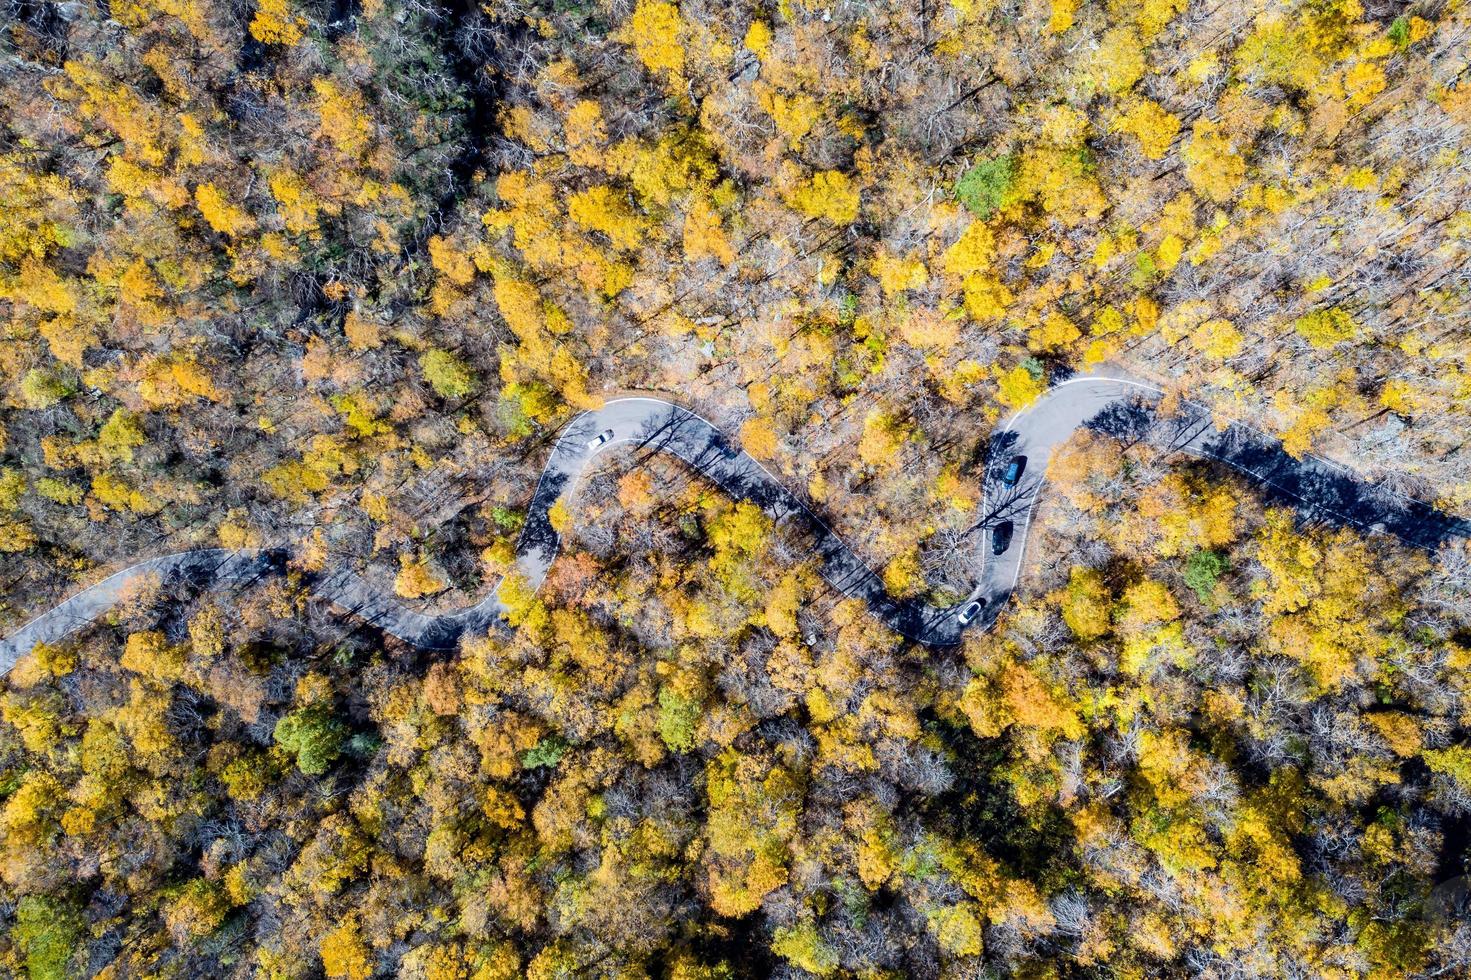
[(1017, 388), (830, 194), (585, 133), (971, 253), (754, 804), (897, 275), (1152, 126), (654, 30), (903, 575), (704, 237), (883, 437), (223, 217), (175, 381), (1212, 164), (344, 954), (603, 210), (1086, 604), (758, 437), (274, 23), (415, 579), (343, 118)]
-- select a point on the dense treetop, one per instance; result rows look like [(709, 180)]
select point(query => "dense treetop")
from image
[(331, 276)]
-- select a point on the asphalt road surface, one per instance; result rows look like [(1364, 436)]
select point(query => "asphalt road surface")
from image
[(1104, 399)]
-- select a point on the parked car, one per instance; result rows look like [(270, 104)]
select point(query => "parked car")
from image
[(1014, 471), (601, 440), (1001, 537), (971, 611)]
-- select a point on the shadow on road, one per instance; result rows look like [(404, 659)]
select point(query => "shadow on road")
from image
[(1318, 490)]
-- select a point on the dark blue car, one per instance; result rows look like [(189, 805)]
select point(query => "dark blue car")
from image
[(1014, 471)]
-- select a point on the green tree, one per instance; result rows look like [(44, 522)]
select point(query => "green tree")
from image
[(984, 187), (448, 375), (678, 716), (47, 931), (1202, 570), (313, 735)]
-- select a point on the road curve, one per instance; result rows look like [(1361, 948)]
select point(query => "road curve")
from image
[(1104, 399)]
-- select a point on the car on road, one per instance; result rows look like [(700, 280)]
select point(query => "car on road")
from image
[(1014, 471), (1001, 537), (601, 440), (971, 611)]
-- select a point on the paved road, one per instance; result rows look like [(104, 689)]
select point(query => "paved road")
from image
[(1104, 399)]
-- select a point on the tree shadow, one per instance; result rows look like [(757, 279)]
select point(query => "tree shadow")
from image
[(537, 533), (1322, 492), (998, 451), (1129, 422)]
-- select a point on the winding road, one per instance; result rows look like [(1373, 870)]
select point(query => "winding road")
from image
[(1105, 399)]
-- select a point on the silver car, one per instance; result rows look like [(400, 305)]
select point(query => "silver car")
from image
[(601, 440)]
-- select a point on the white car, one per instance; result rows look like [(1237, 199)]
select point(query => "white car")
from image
[(601, 440), (970, 611)]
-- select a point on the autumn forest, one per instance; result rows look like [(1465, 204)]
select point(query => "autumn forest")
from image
[(332, 278)]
